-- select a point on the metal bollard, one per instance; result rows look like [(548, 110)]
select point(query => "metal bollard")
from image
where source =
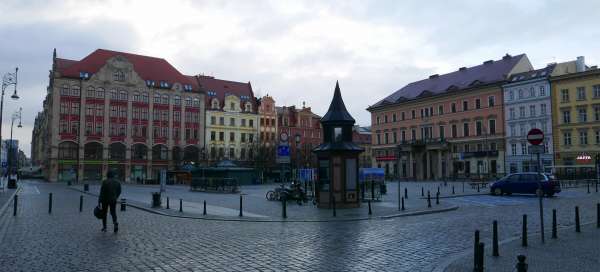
[(180, 205), (50, 203), (453, 189), (597, 215), (333, 205), (422, 191), (475, 249), (521, 265), (403, 206), (241, 212), (478, 187), (437, 198), (370, 211), (554, 228), (168, 203), (577, 225), (524, 232), (428, 199), (438, 189), (405, 193), (123, 204), (495, 239), (284, 208), (588, 186), (204, 210), (15, 203), (86, 187), (80, 203), (480, 257)]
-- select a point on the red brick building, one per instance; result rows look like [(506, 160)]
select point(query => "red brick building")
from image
[(303, 125)]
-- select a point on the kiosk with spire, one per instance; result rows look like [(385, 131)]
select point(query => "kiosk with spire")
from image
[(337, 158)]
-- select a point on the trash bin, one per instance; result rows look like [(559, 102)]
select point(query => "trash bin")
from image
[(156, 199)]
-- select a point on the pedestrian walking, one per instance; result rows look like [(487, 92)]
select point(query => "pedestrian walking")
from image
[(109, 193)]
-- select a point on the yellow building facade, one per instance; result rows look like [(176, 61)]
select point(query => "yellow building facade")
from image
[(576, 121)]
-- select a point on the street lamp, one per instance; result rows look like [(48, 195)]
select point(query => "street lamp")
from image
[(12, 184), (7, 80)]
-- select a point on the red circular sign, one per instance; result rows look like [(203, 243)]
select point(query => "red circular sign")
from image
[(535, 136)]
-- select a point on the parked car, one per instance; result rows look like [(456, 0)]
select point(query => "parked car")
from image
[(525, 183)]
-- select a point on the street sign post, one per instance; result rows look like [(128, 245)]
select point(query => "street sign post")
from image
[(283, 153), (535, 137)]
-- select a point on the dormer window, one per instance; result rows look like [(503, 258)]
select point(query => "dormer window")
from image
[(337, 134), (187, 87), (215, 104), (248, 107), (119, 75), (212, 93), (84, 75), (164, 84), (150, 83)]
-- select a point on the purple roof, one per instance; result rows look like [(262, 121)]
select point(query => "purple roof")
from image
[(486, 73)]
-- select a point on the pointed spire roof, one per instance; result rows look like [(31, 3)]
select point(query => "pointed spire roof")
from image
[(337, 110)]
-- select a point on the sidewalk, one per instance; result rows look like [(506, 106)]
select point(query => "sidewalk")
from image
[(257, 208), (570, 252)]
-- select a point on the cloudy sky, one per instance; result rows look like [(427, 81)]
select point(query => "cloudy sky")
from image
[(292, 50)]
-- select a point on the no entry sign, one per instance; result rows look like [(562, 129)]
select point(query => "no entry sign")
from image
[(535, 136)]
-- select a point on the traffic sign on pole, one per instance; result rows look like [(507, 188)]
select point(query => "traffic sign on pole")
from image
[(535, 136)]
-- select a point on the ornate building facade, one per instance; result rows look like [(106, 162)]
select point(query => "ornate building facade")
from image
[(305, 133), (134, 114), (446, 125)]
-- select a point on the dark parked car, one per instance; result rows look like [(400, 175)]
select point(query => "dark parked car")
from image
[(525, 183)]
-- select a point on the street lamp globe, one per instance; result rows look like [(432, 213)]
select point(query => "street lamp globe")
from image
[(14, 96)]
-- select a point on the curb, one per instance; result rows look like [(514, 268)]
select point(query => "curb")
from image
[(442, 266), (383, 217)]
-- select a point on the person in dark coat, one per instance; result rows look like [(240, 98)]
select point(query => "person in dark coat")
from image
[(109, 193)]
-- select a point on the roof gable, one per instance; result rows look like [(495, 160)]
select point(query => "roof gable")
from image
[(218, 88)]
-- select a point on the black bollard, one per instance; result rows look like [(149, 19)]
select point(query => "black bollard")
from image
[(524, 232), (428, 199), (588, 186), (123, 204), (403, 208), (204, 209), (437, 198), (597, 215), (521, 265), (86, 187), (80, 203), (405, 193), (438, 189), (463, 186), (50, 203), (284, 208), (15, 203), (478, 187), (453, 189), (168, 203), (495, 239), (480, 257), (241, 212), (577, 225), (475, 249), (370, 211), (596, 186), (422, 192), (180, 205), (554, 230)]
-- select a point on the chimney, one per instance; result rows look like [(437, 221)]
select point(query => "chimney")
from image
[(580, 64), (506, 57), (434, 76), (462, 68)]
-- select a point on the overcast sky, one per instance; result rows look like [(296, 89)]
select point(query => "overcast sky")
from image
[(292, 50)]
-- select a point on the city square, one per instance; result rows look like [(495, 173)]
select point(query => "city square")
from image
[(299, 136)]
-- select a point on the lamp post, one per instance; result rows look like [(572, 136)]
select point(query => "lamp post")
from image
[(16, 115), (7, 80)]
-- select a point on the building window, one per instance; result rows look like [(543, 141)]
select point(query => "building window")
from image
[(413, 134), (440, 109), (596, 89), (566, 117), (441, 132), (523, 148), (493, 146), (118, 75), (395, 134), (542, 91), (386, 136), (454, 131), (492, 126), (165, 99), (232, 106), (385, 118), (251, 123), (597, 136), (91, 92), (531, 92), (402, 116), (597, 113), (378, 138), (532, 110), (522, 112), (513, 149), (467, 148), (123, 95), (465, 105), (157, 98), (513, 130), (177, 100), (511, 113), (580, 93), (567, 138), (466, 130), (394, 117), (453, 107), (564, 95), (543, 109), (582, 115), (583, 140), (511, 95), (521, 94), (196, 103), (491, 101), (478, 128), (478, 103)]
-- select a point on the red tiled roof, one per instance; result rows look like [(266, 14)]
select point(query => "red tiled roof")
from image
[(221, 88), (148, 68)]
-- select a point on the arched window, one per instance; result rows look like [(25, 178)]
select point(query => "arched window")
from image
[(159, 152), (75, 90), (145, 97), (113, 94), (67, 151), (91, 92), (215, 103), (191, 154), (165, 99), (177, 100), (65, 90), (116, 151), (136, 96), (157, 98), (100, 93), (92, 151), (139, 152), (123, 95), (196, 102), (188, 102), (118, 75)]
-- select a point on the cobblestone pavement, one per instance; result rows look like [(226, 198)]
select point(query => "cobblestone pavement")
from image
[(578, 252), (68, 240), (256, 206)]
